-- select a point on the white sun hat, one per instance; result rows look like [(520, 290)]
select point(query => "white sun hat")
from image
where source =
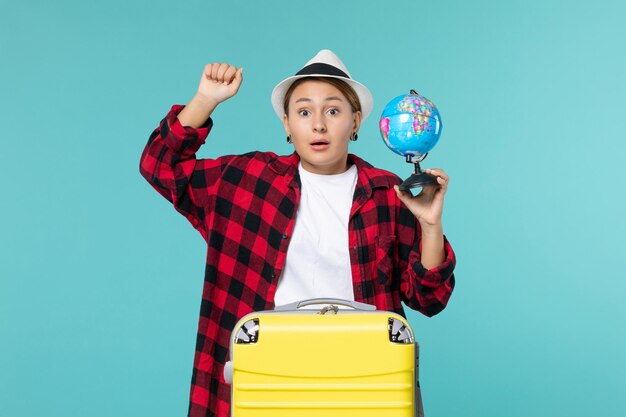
[(324, 64)]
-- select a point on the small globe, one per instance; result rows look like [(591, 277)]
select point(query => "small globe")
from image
[(410, 125)]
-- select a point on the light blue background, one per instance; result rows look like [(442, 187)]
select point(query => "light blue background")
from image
[(100, 279)]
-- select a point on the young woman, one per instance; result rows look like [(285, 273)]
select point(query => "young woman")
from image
[(317, 223)]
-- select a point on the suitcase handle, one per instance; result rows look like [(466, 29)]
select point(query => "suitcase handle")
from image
[(336, 301)]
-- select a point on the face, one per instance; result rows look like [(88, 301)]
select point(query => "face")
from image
[(320, 123)]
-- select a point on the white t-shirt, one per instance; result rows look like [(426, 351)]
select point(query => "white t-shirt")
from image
[(318, 261)]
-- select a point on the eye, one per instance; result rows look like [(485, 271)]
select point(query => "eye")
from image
[(303, 113), (333, 112)]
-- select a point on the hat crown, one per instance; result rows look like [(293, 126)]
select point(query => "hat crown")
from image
[(326, 56), (324, 64)]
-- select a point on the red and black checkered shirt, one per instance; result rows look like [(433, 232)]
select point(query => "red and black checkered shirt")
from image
[(245, 208)]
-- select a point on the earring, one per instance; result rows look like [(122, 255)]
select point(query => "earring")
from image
[(289, 139), (354, 137)]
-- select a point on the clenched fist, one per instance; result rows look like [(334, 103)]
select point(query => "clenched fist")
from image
[(220, 81)]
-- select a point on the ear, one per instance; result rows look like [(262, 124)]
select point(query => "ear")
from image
[(286, 124), (358, 118)]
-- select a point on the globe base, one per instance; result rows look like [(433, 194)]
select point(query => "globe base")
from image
[(418, 180)]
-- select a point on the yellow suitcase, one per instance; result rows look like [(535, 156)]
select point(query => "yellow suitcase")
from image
[(323, 357)]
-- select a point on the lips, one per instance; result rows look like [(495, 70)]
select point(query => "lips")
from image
[(319, 144)]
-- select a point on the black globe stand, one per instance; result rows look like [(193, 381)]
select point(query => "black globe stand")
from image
[(418, 178)]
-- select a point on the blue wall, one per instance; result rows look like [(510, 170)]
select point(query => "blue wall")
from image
[(100, 279)]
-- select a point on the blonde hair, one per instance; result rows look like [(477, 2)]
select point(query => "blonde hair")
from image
[(341, 85)]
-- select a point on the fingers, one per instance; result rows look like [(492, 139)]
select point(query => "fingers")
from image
[(402, 195), (237, 79), (239, 74), (443, 179), (229, 74), (399, 193), (438, 172), (222, 73), (214, 70)]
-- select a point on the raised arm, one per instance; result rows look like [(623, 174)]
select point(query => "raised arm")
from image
[(169, 162)]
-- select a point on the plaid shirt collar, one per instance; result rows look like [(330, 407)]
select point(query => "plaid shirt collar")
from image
[(369, 177)]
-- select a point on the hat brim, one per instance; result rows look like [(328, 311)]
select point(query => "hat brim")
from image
[(278, 94)]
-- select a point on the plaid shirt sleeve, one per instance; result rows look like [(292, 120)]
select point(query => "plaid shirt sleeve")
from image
[(386, 250), (424, 290), (169, 164)]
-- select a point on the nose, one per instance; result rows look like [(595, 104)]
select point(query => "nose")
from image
[(318, 124)]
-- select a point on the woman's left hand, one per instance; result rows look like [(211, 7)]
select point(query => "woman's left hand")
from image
[(427, 206)]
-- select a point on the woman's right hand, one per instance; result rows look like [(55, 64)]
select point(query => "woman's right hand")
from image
[(219, 82)]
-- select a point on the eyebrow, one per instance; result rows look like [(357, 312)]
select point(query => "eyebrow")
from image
[(326, 99)]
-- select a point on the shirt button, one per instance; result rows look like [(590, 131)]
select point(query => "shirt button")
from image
[(285, 236)]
